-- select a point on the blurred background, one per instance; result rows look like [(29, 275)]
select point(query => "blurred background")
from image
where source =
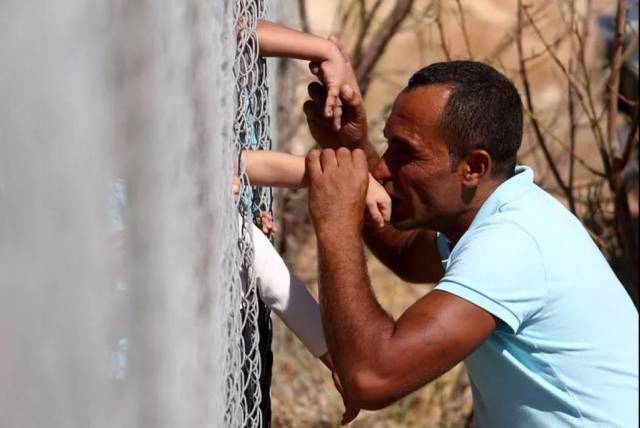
[(582, 142)]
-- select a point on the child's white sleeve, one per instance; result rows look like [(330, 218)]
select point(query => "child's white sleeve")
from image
[(286, 295)]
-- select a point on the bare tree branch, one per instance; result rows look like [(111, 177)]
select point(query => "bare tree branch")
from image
[(617, 59), (463, 27), (380, 40), (365, 26), (304, 17), (529, 100), (572, 142), (443, 38)]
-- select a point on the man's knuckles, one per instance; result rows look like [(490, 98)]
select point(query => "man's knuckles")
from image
[(317, 92)]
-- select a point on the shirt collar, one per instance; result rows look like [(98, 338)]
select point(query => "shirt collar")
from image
[(508, 191)]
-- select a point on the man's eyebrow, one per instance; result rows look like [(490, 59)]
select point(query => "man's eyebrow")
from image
[(400, 140)]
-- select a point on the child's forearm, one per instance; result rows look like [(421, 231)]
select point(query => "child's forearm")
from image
[(279, 41), (275, 169)]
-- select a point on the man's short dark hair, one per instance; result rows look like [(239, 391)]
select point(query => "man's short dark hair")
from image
[(484, 111)]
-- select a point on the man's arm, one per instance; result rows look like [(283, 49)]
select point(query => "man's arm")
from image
[(412, 254), (377, 359)]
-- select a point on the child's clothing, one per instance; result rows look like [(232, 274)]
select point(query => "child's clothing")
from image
[(283, 292)]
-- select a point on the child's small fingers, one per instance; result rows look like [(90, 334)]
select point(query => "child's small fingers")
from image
[(374, 213), (329, 106), (385, 209), (333, 91), (333, 99), (337, 117), (378, 220), (235, 186)]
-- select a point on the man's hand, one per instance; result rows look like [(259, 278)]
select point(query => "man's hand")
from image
[(351, 412), (352, 132), (353, 127), (338, 183)]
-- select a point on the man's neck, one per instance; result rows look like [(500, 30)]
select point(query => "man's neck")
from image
[(461, 223)]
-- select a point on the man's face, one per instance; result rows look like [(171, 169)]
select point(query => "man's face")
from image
[(416, 169)]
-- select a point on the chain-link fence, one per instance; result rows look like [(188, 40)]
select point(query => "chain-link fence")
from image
[(248, 357)]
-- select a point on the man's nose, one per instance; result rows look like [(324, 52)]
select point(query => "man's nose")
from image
[(381, 171)]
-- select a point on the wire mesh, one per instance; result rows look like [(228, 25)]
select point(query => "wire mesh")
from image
[(248, 354)]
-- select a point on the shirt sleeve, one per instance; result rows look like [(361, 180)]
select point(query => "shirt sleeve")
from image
[(499, 268), (286, 295)]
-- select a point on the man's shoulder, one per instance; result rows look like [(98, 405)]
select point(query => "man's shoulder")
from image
[(536, 214), (501, 230), (500, 243)]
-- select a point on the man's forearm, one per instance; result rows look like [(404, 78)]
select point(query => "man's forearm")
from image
[(412, 254), (354, 322)]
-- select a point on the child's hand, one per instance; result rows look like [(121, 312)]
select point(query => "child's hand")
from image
[(236, 185), (267, 225), (378, 203), (332, 73)]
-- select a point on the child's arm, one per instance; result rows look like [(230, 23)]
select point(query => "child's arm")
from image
[(276, 169), (279, 41)]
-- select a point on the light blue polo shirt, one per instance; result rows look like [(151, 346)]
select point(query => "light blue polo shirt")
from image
[(566, 351)]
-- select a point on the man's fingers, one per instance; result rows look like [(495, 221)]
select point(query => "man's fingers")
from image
[(314, 115), (328, 160), (313, 166), (349, 415), (318, 94), (359, 159), (314, 68), (350, 96), (375, 214), (344, 156)]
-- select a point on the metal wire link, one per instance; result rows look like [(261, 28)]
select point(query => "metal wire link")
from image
[(251, 131)]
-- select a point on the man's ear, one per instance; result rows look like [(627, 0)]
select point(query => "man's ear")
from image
[(475, 167)]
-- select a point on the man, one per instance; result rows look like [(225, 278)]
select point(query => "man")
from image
[(523, 297)]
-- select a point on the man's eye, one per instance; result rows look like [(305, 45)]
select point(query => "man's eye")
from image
[(403, 147)]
